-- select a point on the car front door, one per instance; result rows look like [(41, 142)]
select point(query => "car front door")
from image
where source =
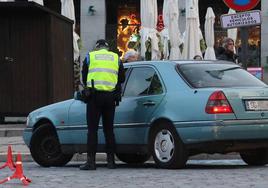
[(142, 95)]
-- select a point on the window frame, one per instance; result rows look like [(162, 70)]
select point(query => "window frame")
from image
[(129, 72)]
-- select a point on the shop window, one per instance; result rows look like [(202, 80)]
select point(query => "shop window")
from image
[(254, 46), (128, 26)]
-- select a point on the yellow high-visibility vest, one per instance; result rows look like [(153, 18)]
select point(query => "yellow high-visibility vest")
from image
[(103, 69)]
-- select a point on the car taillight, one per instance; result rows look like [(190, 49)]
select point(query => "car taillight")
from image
[(218, 104)]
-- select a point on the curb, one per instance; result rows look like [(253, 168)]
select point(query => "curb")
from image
[(11, 132), (26, 157), (101, 157)]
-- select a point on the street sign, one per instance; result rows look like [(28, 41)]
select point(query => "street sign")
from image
[(241, 5), (242, 19)]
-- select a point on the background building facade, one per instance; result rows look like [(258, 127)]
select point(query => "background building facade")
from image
[(106, 19)]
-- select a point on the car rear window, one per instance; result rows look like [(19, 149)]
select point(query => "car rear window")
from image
[(202, 75)]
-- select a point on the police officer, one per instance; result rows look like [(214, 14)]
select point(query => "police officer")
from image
[(103, 69)]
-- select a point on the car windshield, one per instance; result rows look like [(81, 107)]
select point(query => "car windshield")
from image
[(218, 75)]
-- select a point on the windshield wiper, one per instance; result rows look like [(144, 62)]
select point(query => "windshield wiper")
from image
[(219, 73), (232, 68)]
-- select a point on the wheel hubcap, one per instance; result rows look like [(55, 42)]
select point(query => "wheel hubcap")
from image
[(49, 147), (164, 145)]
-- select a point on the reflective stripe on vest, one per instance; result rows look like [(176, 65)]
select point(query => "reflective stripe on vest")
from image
[(103, 69), (101, 83)]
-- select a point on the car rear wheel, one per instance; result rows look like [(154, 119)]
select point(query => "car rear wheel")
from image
[(257, 157), (45, 148), (167, 148), (132, 158)]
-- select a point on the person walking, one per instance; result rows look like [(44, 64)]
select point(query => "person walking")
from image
[(226, 52), (102, 72)]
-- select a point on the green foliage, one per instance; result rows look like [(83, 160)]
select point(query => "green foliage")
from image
[(148, 52), (203, 45), (135, 42)]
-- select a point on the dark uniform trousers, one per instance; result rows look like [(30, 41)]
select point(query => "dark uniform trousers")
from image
[(102, 104)]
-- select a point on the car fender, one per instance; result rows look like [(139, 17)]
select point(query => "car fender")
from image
[(155, 120), (56, 114)]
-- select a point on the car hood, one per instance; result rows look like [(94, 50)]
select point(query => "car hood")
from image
[(57, 105), (56, 113)]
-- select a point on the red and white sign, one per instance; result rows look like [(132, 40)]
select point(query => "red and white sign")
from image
[(241, 5)]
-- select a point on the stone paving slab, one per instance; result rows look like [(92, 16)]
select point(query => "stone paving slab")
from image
[(11, 129), (13, 125), (11, 132), (15, 119)]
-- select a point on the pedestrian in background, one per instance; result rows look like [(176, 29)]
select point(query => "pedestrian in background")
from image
[(198, 57), (226, 52), (131, 55), (102, 71)]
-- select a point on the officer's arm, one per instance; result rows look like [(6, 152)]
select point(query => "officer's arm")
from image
[(85, 70), (121, 73)]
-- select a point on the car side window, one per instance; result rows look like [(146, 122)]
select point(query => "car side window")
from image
[(139, 81), (155, 87)]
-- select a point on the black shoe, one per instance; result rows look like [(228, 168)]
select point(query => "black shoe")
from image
[(110, 161), (88, 166)]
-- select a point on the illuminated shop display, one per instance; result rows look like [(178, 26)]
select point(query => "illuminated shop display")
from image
[(128, 27)]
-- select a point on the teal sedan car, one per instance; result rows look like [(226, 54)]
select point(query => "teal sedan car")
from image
[(169, 110)]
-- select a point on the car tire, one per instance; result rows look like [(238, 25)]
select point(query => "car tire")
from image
[(131, 158), (45, 148), (257, 157), (167, 148)]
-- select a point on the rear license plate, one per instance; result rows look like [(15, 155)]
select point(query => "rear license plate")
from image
[(258, 105)]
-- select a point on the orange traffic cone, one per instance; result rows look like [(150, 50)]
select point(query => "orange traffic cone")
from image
[(9, 163), (18, 174)]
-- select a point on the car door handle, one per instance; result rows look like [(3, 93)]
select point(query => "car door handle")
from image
[(149, 103)]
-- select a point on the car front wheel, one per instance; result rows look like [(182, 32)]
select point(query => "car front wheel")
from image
[(167, 148), (45, 148), (258, 157)]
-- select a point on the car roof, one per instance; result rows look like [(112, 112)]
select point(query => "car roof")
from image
[(178, 62)]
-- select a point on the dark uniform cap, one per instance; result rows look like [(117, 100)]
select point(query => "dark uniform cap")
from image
[(101, 42)]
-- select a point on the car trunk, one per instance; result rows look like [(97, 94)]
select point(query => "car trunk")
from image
[(248, 103)]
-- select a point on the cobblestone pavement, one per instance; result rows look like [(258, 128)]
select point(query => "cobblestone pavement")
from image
[(197, 174)]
